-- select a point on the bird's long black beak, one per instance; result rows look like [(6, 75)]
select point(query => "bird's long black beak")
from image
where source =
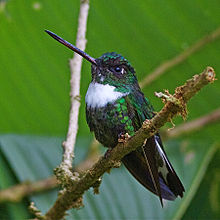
[(72, 47)]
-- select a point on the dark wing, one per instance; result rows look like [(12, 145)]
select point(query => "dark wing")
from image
[(149, 163)]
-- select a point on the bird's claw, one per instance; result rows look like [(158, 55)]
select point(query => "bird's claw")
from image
[(123, 137)]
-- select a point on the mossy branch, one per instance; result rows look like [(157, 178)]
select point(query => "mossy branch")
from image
[(174, 105)]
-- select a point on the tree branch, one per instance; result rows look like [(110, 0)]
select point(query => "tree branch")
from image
[(163, 67), (17, 192), (174, 104), (75, 68), (192, 125)]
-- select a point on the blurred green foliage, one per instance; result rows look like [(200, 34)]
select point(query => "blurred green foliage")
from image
[(34, 85), (121, 196)]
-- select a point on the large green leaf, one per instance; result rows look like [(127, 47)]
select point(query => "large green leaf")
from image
[(34, 76), (7, 178), (121, 197), (208, 193), (34, 72)]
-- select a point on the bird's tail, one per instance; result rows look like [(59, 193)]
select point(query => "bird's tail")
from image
[(151, 167)]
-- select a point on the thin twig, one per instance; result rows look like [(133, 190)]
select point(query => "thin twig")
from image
[(17, 192), (177, 106), (163, 67), (192, 125), (75, 68)]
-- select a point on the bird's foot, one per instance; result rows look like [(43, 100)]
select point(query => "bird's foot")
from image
[(123, 137)]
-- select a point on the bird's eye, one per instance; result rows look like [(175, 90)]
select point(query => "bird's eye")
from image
[(118, 69)]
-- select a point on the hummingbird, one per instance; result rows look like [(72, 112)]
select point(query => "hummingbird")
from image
[(116, 106)]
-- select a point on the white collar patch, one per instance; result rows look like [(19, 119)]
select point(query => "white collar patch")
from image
[(98, 95)]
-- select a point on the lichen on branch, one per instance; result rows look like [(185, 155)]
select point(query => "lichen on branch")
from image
[(171, 108)]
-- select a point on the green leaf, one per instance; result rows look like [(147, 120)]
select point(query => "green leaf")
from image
[(7, 178), (34, 72), (121, 196), (208, 193), (34, 158)]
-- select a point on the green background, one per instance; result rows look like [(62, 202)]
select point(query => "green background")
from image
[(34, 95)]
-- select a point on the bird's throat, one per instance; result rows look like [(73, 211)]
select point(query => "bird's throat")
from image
[(99, 95)]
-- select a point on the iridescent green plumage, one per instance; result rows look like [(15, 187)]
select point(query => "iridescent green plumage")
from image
[(115, 106), (125, 114), (148, 164), (117, 118)]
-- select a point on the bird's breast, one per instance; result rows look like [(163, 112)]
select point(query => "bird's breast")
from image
[(109, 122)]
